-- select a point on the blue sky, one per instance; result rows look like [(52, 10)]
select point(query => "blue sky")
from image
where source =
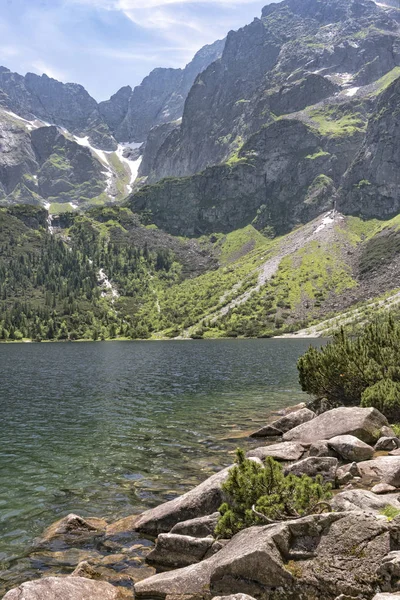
[(105, 44)]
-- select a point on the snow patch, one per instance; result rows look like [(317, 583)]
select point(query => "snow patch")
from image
[(29, 124), (133, 165), (84, 141), (72, 205), (352, 91)]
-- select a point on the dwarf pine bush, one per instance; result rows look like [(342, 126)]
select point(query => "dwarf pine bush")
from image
[(363, 370), (276, 496)]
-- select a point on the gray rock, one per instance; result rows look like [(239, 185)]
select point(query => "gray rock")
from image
[(172, 550), (203, 500), (234, 597), (72, 530), (285, 423), (321, 448), (304, 558), (64, 588), (351, 448), (387, 596), (384, 469), (363, 500), (363, 423), (200, 528), (283, 451), (395, 452), (387, 432), (383, 488), (387, 443), (313, 466)]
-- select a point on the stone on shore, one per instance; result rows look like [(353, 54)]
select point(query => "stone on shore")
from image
[(65, 588), (305, 558), (285, 423), (363, 423), (387, 443), (383, 469), (313, 466), (351, 448), (383, 488), (284, 451), (234, 597), (363, 500), (321, 448), (172, 550), (200, 528), (202, 500), (387, 596)]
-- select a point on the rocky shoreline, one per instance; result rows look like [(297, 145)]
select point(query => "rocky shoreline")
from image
[(352, 552)]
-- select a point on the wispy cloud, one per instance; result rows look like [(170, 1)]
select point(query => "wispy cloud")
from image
[(105, 44)]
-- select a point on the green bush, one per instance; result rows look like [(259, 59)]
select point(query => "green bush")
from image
[(252, 488), (353, 371), (385, 396)]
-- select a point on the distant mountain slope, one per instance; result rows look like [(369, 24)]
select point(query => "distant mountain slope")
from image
[(99, 169)]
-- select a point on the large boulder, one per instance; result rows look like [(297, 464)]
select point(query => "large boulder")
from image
[(306, 558), (200, 527), (321, 448), (285, 451), (174, 550), (313, 466), (202, 500), (363, 423), (285, 423), (65, 588), (383, 469), (387, 596), (351, 448)]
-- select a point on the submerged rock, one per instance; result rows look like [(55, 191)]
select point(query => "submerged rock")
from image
[(65, 588), (363, 423), (72, 530)]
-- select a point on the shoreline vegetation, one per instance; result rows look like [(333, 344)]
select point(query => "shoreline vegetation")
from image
[(320, 495)]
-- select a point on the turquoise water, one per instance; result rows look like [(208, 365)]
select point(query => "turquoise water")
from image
[(109, 429)]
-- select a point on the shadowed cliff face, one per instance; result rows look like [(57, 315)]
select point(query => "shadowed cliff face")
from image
[(371, 187), (297, 54)]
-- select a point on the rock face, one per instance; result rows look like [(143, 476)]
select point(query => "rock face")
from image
[(272, 67), (64, 588), (371, 187), (303, 559), (362, 423), (285, 423), (157, 100), (203, 500)]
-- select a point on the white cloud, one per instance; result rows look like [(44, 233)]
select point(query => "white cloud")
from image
[(41, 67)]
